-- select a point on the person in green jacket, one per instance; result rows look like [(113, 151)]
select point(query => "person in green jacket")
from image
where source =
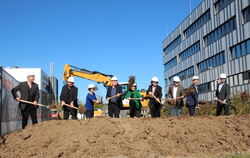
[(134, 97)]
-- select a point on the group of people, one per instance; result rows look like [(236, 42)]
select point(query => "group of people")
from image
[(176, 93), (29, 91)]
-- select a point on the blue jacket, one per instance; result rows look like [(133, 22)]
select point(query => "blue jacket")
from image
[(192, 99)]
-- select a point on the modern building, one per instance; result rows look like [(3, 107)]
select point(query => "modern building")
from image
[(213, 39)]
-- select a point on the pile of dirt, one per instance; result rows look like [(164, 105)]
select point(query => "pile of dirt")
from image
[(145, 137)]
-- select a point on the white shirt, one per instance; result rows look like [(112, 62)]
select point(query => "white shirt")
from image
[(175, 91), (153, 89), (220, 86)]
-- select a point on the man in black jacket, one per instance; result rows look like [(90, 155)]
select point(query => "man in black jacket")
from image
[(114, 98), (30, 92), (156, 90), (223, 94), (69, 96), (192, 101)]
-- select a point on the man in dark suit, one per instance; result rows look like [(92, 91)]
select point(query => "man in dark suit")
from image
[(175, 92), (223, 94), (30, 92), (114, 99), (192, 98), (156, 90), (69, 96)]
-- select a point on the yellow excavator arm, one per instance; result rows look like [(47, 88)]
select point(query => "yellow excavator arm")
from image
[(70, 71), (98, 77)]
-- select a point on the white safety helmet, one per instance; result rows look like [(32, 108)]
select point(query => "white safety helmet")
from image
[(155, 79), (114, 78), (176, 79), (195, 78), (71, 79), (223, 76), (30, 74), (91, 86)]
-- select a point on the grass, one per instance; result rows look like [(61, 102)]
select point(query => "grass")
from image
[(238, 156)]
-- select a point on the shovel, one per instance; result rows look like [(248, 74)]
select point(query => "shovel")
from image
[(155, 98), (25, 101), (220, 101)]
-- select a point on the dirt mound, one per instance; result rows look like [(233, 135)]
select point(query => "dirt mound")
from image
[(145, 137)]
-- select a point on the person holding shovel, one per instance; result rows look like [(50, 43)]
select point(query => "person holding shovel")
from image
[(134, 97), (222, 96), (176, 95), (69, 96), (114, 99), (29, 92), (90, 100), (155, 91), (192, 98)]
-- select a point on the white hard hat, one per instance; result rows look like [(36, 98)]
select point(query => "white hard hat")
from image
[(114, 78), (195, 78), (223, 76), (30, 74), (176, 79), (155, 79), (91, 86), (71, 79)]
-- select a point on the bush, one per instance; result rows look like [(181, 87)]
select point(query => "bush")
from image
[(240, 103)]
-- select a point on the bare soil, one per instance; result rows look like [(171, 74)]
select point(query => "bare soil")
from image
[(201, 136)]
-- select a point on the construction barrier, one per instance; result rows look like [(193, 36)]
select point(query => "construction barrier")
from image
[(10, 113)]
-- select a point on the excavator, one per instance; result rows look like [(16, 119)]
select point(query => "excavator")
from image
[(99, 77)]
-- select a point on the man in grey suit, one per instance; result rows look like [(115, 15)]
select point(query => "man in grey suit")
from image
[(30, 92), (175, 92), (222, 96)]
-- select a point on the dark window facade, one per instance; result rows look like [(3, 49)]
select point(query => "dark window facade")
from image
[(171, 63), (246, 75), (221, 4), (240, 49), (184, 74), (172, 45), (221, 31), (190, 51), (212, 62), (197, 24), (205, 87), (246, 14)]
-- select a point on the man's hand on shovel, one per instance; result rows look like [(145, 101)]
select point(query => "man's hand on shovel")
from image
[(35, 103)]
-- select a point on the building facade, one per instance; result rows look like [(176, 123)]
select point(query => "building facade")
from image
[(213, 39)]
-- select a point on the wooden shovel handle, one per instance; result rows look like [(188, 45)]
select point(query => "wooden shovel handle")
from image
[(71, 106), (115, 96), (135, 99), (220, 101), (155, 98), (29, 102)]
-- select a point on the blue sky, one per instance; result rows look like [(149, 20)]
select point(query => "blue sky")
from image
[(118, 37)]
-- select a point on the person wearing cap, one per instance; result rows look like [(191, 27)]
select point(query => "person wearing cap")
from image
[(175, 92), (223, 94), (156, 90), (134, 97), (114, 99), (192, 98), (69, 96), (90, 100), (30, 92)]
